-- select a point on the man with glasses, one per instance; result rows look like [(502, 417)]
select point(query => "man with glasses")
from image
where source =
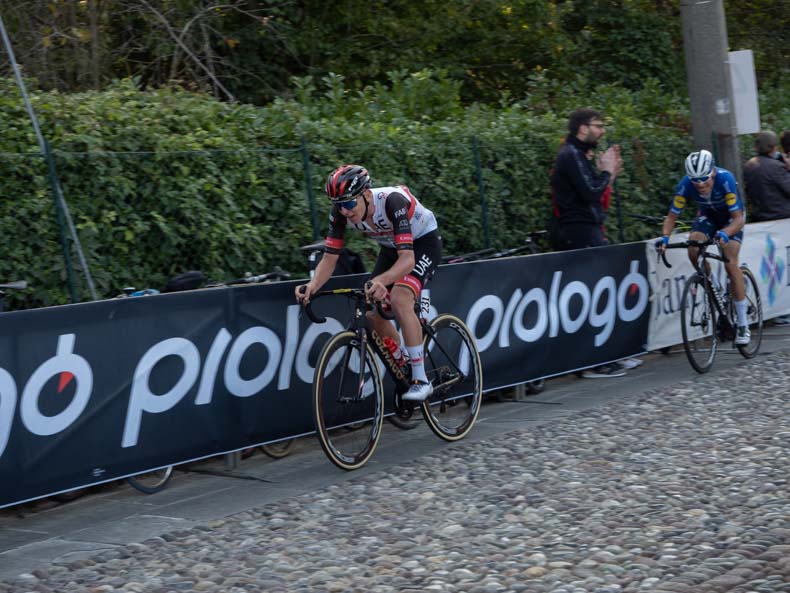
[(411, 248), (720, 217), (578, 185)]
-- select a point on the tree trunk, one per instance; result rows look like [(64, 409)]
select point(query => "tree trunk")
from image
[(93, 15)]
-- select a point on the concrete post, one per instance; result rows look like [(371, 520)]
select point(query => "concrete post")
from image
[(708, 75)]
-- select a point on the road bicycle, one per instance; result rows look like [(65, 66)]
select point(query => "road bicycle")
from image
[(15, 285), (530, 246), (315, 252), (157, 480), (707, 311), (348, 394)]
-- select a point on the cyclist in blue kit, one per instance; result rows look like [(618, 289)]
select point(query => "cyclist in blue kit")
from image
[(720, 217)]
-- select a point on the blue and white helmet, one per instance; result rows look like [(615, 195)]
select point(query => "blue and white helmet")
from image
[(699, 164)]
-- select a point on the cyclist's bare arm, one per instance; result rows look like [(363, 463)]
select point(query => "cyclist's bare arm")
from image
[(669, 223), (322, 273)]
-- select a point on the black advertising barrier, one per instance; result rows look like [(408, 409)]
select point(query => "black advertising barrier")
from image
[(98, 391)]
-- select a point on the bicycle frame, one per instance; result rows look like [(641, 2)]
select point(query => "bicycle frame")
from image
[(719, 299), (367, 334)]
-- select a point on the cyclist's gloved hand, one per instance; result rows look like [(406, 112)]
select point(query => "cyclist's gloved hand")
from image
[(662, 243), (722, 237)]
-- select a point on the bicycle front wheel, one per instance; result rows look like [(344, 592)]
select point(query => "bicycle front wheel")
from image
[(698, 325), (348, 401), (452, 364), (152, 482), (754, 315)]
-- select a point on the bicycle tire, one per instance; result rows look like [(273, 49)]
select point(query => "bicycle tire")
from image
[(279, 449), (338, 403), (754, 314), (69, 496), (698, 317), (452, 409), (151, 482), (535, 387)]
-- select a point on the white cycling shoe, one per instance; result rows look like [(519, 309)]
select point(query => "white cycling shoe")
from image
[(742, 335), (418, 392)]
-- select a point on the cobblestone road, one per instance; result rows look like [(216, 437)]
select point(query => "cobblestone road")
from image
[(683, 489)]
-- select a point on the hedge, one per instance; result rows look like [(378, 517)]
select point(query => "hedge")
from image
[(163, 181)]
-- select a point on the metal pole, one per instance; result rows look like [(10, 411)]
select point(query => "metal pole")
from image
[(53, 179), (46, 153), (481, 191), (308, 187)]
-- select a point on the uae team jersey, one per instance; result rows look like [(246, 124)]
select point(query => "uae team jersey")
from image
[(723, 198), (398, 220)]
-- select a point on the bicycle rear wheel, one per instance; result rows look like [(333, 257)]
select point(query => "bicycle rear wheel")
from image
[(698, 325), (452, 364), (152, 482), (754, 315), (348, 401)]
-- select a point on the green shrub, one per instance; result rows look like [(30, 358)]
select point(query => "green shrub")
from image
[(159, 182)]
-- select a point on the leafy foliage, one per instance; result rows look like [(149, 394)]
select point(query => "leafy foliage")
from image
[(161, 181), (250, 50)]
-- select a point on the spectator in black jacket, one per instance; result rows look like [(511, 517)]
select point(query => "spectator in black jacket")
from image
[(577, 188), (577, 184), (767, 180)]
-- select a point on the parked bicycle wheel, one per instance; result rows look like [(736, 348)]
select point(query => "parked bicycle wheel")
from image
[(535, 387), (452, 364), (152, 482), (698, 325), (346, 395), (279, 449), (70, 495), (754, 314)]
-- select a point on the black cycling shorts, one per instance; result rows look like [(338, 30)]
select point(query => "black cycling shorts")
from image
[(427, 256)]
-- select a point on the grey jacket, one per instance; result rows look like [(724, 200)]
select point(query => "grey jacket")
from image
[(767, 184)]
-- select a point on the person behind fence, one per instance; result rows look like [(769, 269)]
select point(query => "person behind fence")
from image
[(720, 217), (411, 249), (767, 183), (578, 183), (578, 186), (784, 140), (766, 179)]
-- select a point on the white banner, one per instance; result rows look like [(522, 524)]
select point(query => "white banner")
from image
[(765, 250)]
